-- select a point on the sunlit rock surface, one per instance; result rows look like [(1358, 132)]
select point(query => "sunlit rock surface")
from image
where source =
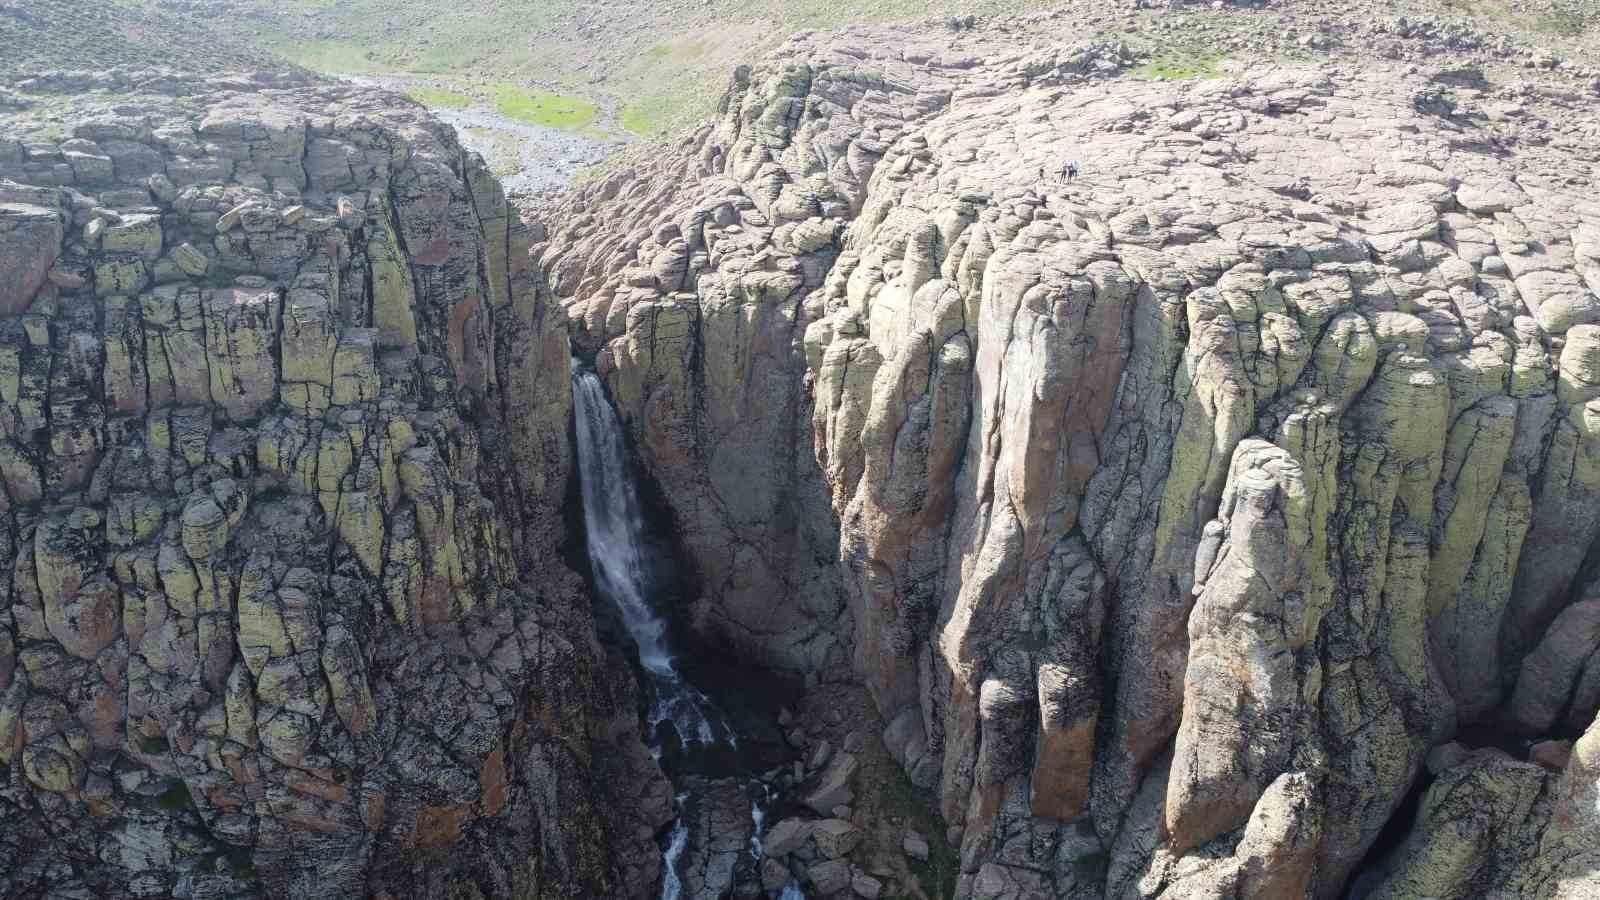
[(1189, 502)]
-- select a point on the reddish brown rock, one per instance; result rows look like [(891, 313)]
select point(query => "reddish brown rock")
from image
[(30, 241), (440, 826), (1553, 755)]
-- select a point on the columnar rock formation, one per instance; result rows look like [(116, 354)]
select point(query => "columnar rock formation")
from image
[(1182, 508), (1181, 519), (283, 437)]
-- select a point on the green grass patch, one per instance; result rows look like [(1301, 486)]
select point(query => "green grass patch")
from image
[(650, 115), (331, 56), (938, 873), (678, 50), (439, 98), (542, 107), (1177, 66), (661, 111), (445, 58), (381, 36), (1560, 19)]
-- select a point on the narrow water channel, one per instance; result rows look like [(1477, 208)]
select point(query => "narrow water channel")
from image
[(714, 846)]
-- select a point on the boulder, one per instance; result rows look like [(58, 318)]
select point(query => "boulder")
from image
[(785, 838), (915, 846), (1553, 755), (831, 877), (773, 875), (833, 786), (835, 838), (30, 241), (135, 234), (190, 260)]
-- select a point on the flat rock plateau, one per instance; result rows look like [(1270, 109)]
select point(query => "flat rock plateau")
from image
[(1217, 519)]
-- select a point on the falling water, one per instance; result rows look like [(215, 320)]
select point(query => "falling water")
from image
[(614, 526), (758, 817), (671, 881)]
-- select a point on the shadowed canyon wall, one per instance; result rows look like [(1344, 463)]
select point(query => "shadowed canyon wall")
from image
[(1181, 508)]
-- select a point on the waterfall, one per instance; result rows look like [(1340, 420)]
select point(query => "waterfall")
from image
[(671, 881), (612, 521), (614, 526), (758, 818)]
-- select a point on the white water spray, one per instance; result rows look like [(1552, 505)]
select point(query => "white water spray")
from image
[(614, 526), (671, 881), (758, 818)]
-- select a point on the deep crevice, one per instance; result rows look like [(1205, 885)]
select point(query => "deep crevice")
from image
[(1369, 874), (747, 754)]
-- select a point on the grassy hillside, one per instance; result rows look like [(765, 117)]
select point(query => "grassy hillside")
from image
[(643, 66), (39, 35), (648, 64), (652, 64)]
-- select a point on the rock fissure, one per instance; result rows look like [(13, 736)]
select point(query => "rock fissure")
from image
[(1164, 529), (1359, 346)]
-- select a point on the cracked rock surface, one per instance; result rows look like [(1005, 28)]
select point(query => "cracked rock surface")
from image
[(1188, 503), (283, 440), (1219, 523)]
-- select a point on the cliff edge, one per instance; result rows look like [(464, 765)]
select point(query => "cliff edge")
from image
[(1181, 507), (283, 422)]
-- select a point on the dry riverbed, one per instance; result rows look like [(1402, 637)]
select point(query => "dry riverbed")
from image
[(534, 162)]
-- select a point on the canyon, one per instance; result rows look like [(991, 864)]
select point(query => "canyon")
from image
[(842, 499)]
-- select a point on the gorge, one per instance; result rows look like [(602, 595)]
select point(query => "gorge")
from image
[(680, 720), (614, 529), (834, 501)]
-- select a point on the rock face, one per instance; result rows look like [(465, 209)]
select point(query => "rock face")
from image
[(1188, 503), (1180, 518), (283, 437), (1494, 827)]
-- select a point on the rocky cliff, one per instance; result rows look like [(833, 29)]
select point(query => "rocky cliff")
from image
[(1181, 518), (1219, 522), (283, 438)]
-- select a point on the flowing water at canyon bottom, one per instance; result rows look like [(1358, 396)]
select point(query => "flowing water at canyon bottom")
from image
[(678, 711), (614, 526)]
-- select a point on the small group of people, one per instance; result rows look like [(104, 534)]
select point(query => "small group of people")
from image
[(1069, 170)]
